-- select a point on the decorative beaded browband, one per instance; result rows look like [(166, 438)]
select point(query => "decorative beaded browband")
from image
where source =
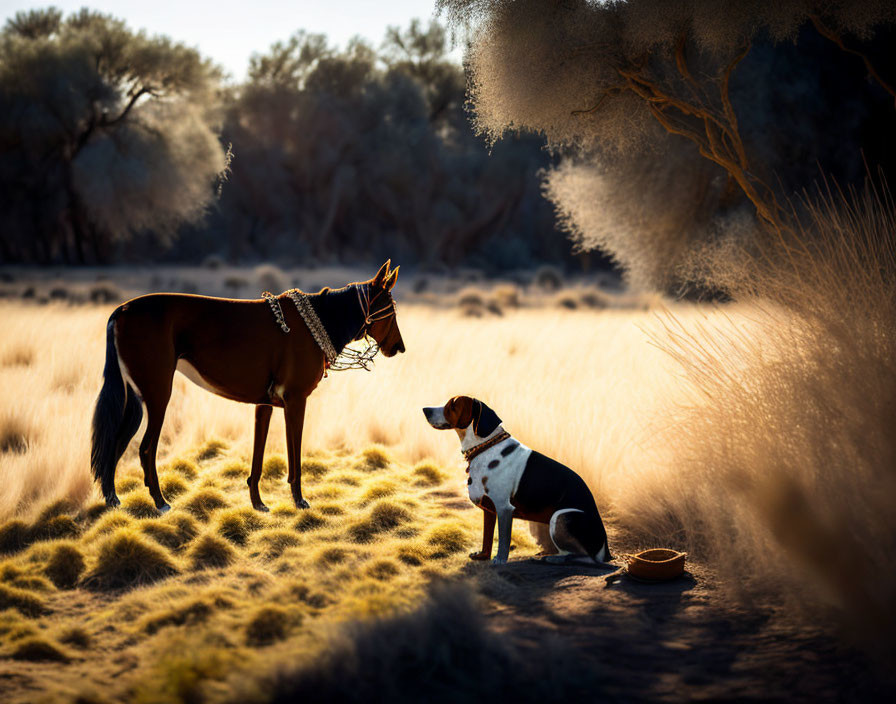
[(306, 310), (482, 447)]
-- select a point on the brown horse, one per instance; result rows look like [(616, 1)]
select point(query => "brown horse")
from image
[(238, 349)]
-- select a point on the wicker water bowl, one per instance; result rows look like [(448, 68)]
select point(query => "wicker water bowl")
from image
[(656, 565)]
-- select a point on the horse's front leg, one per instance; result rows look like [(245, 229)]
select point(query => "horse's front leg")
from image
[(294, 413), (262, 422)]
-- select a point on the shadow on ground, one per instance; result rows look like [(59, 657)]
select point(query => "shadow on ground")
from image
[(682, 640)]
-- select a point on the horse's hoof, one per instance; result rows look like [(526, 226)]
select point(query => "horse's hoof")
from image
[(261, 507), (164, 508), (113, 501), (478, 556), (301, 503), (499, 561)]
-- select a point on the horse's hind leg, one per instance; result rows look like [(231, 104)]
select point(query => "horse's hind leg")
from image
[(262, 422), (155, 412)]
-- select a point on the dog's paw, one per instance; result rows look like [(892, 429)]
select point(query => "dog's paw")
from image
[(499, 561), (481, 555)]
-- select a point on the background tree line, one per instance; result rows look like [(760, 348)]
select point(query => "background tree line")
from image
[(120, 147)]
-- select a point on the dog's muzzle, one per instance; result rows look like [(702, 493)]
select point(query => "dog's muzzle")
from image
[(435, 416)]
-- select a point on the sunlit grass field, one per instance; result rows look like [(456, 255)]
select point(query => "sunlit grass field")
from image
[(734, 432), (147, 607)]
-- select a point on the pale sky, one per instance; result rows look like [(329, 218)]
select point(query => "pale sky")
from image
[(230, 32)]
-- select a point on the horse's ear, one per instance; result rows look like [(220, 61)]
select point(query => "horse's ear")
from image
[(392, 278), (380, 277), (485, 420)]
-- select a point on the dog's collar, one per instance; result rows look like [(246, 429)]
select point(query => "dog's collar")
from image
[(482, 447)]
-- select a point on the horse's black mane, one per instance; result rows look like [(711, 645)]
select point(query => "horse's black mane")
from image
[(340, 312)]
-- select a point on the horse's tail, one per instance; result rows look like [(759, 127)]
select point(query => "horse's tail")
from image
[(116, 418)]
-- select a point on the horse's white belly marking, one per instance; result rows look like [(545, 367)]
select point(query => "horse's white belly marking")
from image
[(189, 371)]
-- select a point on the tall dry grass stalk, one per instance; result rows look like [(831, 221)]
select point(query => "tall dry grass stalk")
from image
[(576, 384), (783, 467)]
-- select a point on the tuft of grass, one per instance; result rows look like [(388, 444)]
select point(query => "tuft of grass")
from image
[(185, 467), (16, 434), (204, 502), (269, 624), (374, 458), (383, 516), (65, 566), (383, 569), (379, 490), (309, 520), (32, 583), (448, 537), (271, 543), (76, 636), (330, 509), (139, 505), (211, 449), (314, 469), (274, 467), (127, 484), (428, 474), (109, 522), (126, 559), (236, 524), (15, 535), (57, 527), (411, 554), (39, 649), (18, 355), (171, 531), (92, 512), (172, 485), (210, 551), (331, 556), (23, 601), (235, 469), (194, 612)]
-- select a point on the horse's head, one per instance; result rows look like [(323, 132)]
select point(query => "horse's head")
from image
[(382, 323)]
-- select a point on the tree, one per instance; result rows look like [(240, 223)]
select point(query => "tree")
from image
[(618, 80), (103, 133)]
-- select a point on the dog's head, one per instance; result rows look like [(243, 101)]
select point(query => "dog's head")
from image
[(460, 412)]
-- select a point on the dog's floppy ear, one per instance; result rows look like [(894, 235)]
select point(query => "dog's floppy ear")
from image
[(485, 420)]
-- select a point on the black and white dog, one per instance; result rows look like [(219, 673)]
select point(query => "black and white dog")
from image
[(509, 480)]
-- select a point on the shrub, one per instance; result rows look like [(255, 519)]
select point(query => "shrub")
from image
[(548, 277), (39, 649), (204, 502), (127, 560), (210, 551), (21, 600), (507, 295), (65, 565), (566, 300), (104, 293), (470, 298), (271, 278), (274, 467), (268, 624)]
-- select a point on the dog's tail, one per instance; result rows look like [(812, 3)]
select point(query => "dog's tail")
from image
[(116, 417)]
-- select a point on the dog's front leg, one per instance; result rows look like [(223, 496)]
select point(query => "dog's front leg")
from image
[(505, 524), (488, 534)]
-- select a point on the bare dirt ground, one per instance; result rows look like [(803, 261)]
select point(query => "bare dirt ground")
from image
[(684, 640)]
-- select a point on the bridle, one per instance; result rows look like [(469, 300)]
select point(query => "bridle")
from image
[(363, 359)]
